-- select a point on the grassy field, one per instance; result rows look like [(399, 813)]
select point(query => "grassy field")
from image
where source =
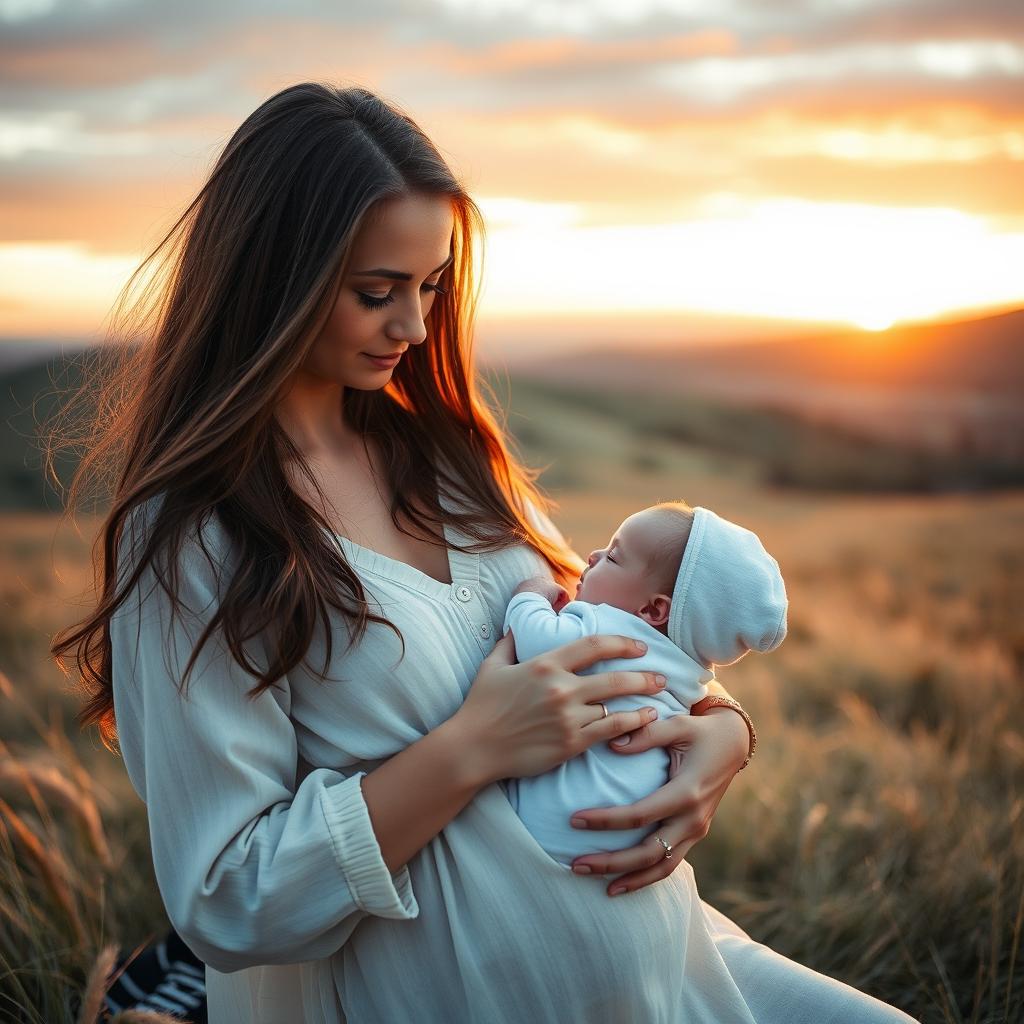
[(878, 835)]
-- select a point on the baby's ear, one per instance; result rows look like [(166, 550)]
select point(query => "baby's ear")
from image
[(656, 610)]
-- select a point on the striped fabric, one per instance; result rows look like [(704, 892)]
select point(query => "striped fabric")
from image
[(166, 977)]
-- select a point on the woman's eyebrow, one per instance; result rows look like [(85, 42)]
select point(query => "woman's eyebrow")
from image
[(397, 275)]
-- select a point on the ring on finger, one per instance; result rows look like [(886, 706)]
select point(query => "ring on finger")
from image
[(668, 849), (603, 709)]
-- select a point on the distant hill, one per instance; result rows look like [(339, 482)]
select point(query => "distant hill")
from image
[(943, 386), (781, 447), (18, 352), (29, 395), (984, 355)]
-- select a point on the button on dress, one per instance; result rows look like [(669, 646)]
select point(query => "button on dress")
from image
[(269, 868)]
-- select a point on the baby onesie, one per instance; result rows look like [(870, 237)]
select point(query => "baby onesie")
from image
[(598, 777)]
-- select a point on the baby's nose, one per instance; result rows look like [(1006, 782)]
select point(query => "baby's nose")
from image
[(592, 558)]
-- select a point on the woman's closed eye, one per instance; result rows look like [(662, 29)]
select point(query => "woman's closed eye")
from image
[(380, 301)]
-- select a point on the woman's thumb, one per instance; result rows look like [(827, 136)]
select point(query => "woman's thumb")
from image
[(504, 651)]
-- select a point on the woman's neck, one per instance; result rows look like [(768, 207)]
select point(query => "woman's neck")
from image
[(310, 413)]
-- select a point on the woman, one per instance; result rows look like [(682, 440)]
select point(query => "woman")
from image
[(301, 442)]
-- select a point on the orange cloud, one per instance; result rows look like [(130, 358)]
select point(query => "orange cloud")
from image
[(568, 52), (83, 63), (946, 155), (112, 216)]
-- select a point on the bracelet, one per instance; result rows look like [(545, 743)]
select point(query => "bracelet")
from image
[(715, 701)]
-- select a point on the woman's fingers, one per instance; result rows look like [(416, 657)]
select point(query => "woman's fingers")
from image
[(615, 724), (504, 650), (605, 685), (704, 757), (673, 798), (584, 652), (676, 730), (646, 862)]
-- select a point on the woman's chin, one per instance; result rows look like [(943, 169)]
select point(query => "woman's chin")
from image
[(372, 381)]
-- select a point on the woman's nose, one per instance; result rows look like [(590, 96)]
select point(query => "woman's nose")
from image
[(410, 328), (410, 333)]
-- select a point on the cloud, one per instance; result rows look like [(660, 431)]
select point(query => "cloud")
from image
[(924, 19), (721, 79), (619, 171), (141, 61)]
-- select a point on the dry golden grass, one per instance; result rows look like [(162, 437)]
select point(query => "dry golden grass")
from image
[(75, 872)]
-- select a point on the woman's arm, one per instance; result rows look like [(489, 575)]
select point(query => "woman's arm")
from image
[(252, 867), (716, 688)]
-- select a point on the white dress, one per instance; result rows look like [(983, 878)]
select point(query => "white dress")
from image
[(268, 865)]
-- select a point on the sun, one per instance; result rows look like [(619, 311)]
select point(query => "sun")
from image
[(875, 323)]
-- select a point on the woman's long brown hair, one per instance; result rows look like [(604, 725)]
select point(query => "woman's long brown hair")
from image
[(237, 292)]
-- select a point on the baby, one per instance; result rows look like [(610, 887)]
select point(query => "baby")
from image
[(727, 598)]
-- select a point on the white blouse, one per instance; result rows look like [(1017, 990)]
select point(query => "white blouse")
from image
[(269, 868)]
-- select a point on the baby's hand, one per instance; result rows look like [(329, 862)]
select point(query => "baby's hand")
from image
[(558, 596)]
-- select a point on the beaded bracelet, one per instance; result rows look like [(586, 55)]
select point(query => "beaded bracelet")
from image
[(715, 701)]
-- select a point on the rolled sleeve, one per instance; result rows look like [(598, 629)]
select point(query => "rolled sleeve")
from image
[(373, 887)]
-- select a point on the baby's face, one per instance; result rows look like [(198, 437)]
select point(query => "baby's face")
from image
[(618, 574)]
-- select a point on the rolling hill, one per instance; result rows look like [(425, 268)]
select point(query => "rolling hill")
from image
[(946, 387)]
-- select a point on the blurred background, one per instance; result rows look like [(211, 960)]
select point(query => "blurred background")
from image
[(764, 257)]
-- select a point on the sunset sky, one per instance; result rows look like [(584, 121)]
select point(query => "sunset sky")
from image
[(664, 169)]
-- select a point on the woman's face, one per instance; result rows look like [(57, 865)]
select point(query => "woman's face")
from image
[(398, 260)]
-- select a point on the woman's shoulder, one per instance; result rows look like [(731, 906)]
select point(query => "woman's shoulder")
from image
[(199, 548)]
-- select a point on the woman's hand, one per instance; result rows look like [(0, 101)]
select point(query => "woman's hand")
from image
[(705, 752), (520, 720)]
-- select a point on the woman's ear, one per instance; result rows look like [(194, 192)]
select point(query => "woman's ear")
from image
[(656, 610)]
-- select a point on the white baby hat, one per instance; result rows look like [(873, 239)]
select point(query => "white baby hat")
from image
[(729, 596)]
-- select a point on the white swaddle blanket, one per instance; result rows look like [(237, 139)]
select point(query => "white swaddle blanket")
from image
[(729, 598), (598, 777)]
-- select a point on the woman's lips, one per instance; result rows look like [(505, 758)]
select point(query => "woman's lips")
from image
[(383, 363)]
